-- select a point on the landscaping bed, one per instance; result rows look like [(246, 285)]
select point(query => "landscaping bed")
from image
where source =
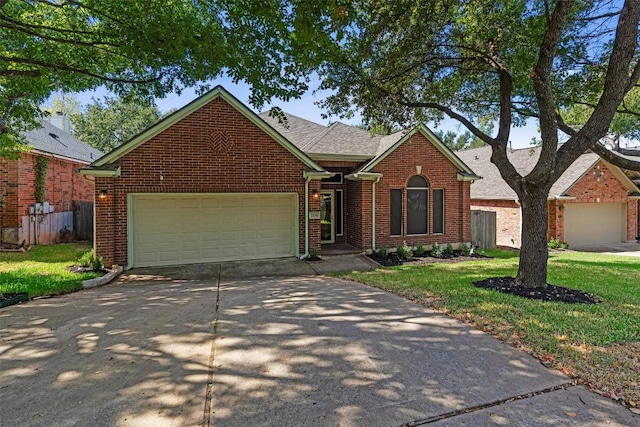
[(43, 270)]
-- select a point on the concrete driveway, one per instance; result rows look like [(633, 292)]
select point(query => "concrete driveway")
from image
[(631, 248), (206, 346)]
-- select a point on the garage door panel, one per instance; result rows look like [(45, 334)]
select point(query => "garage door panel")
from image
[(174, 229), (594, 223)]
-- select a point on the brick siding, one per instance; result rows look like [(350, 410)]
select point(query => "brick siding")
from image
[(183, 154), (397, 168), (597, 185), (63, 185)]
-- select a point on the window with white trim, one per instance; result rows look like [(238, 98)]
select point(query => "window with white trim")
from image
[(438, 211), (417, 205), (396, 212)]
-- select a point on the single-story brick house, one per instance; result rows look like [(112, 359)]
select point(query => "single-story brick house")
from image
[(21, 218), (214, 181), (593, 202)]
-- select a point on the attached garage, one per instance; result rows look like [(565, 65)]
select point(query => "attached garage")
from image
[(172, 229), (594, 223)]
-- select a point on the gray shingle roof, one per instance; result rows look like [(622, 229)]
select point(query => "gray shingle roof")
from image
[(52, 140), (492, 186), (336, 139), (298, 131), (344, 139)]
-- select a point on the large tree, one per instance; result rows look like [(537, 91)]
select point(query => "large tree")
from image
[(411, 61), (149, 48), (106, 124)]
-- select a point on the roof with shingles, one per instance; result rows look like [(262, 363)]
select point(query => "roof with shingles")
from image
[(337, 138), (300, 132), (492, 186), (50, 139)]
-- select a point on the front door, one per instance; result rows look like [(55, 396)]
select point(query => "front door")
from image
[(327, 215)]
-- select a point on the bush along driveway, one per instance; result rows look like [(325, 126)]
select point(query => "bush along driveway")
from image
[(597, 343), (44, 270)]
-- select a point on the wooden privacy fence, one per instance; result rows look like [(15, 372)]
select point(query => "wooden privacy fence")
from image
[(83, 220), (483, 229)]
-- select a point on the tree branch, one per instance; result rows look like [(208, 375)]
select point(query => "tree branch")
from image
[(63, 67), (20, 73), (614, 158), (24, 30), (12, 102), (541, 76)]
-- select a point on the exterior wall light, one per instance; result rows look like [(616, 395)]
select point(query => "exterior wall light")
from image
[(103, 194)]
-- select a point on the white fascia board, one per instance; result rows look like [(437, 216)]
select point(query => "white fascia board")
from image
[(318, 174), (101, 172), (364, 176)]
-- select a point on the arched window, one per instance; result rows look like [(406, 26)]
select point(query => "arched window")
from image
[(417, 205)]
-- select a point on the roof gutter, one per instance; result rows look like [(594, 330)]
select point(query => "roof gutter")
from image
[(373, 212), (101, 172), (57, 156), (463, 176), (364, 176)]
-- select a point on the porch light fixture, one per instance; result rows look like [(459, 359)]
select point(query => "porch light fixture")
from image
[(103, 194), (315, 194)]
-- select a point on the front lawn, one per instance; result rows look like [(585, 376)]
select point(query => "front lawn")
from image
[(599, 344), (42, 270)]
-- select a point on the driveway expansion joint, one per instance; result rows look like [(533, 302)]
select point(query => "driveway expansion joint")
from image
[(206, 422), (463, 411)]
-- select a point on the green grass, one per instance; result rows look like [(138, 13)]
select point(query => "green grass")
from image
[(599, 343), (42, 270)]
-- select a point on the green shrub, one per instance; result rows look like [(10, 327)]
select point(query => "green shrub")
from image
[(436, 250), (557, 244), (86, 259), (449, 249), (383, 252), (465, 249), (404, 252), (97, 264), (313, 253), (420, 249)]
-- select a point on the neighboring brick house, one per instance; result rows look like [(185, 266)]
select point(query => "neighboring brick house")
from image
[(593, 202), (21, 219), (214, 182)]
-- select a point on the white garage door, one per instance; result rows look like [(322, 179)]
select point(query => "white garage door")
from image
[(594, 223), (188, 229)]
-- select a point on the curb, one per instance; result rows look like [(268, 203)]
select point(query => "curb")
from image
[(101, 281)]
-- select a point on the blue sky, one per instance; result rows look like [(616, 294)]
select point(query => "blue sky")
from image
[(304, 107)]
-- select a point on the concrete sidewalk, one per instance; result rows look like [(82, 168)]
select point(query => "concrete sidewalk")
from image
[(205, 345)]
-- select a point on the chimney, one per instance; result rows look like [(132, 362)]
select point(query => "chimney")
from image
[(61, 121)]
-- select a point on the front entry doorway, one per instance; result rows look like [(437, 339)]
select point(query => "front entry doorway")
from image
[(327, 217)]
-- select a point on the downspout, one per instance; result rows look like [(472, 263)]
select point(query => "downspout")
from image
[(306, 217), (373, 214)]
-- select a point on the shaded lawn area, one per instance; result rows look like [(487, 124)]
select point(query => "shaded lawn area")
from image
[(43, 270), (599, 344)]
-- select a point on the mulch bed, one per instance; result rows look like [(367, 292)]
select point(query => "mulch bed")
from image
[(549, 292), (392, 259)]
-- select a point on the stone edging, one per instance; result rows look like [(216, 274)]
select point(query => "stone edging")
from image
[(103, 280)]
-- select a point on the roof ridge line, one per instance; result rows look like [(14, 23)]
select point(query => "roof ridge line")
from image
[(316, 139)]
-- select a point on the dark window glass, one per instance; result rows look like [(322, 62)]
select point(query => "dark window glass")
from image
[(418, 181), (438, 211), (396, 212), (417, 213), (338, 212), (417, 206)]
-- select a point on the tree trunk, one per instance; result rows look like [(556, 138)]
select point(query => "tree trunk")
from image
[(532, 269)]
